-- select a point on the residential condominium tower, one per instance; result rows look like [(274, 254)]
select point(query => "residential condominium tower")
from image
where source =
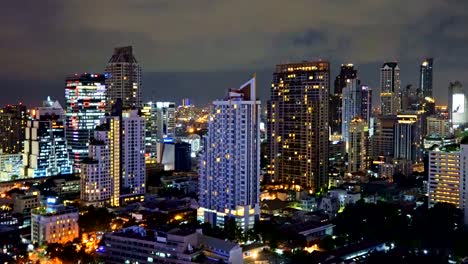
[(114, 172), (297, 124), (229, 169), (123, 78), (85, 96)]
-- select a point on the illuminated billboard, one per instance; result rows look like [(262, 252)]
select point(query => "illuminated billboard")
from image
[(458, 103)]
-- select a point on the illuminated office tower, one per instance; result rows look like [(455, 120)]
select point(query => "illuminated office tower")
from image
[(457, 104), (45, 147), (123, 78), (13, 120), (390, 88), (352, 106), (425, 77), (408, 139), (297, 124), (358, 145), (229, 170), (85, 97)]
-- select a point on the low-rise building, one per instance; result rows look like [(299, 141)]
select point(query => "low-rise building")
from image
[(136, 244), (23, 203), (54, 224)]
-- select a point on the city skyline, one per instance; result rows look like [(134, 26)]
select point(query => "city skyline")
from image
[(169, 72)]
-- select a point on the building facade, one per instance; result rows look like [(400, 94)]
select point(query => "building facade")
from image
[(123, 78), (297, 124), (351, 107), (358, 145), (45, 147), (408, 137), (85, 97), (437, 126), (457, 104), (425, 77), (54, 224), (13, 120), (390, 88), (229, 169)]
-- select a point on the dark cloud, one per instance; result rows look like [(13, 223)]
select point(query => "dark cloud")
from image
[(198, 48)]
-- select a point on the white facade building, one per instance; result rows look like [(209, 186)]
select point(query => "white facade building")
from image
[(229, 171), (54, 224), (448, 176)]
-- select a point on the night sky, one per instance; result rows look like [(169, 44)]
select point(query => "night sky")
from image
[(199, 48)]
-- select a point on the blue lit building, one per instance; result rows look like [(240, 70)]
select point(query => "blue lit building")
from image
[(45, 147), (85, 97)]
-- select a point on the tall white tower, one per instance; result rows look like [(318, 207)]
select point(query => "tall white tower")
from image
[(229, 171)]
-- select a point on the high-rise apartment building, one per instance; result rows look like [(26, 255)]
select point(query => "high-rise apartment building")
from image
[(114, 172), (425, 77), (358, 145), (85, 96), (123, 80), (390, 88), (448, 178), (297, 124), (229, 170), (45, 146), (13, 120)]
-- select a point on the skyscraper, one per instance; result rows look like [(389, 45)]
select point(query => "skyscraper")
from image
[(229, 170), (358, 145), (408, 137), (366, 103), (85, 96), (13, 120), (160, 124), (390, 102), (347, 72), (123, 78), (352, 106), (425, 78), (297, 124), (45, 147), (116, 159)]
